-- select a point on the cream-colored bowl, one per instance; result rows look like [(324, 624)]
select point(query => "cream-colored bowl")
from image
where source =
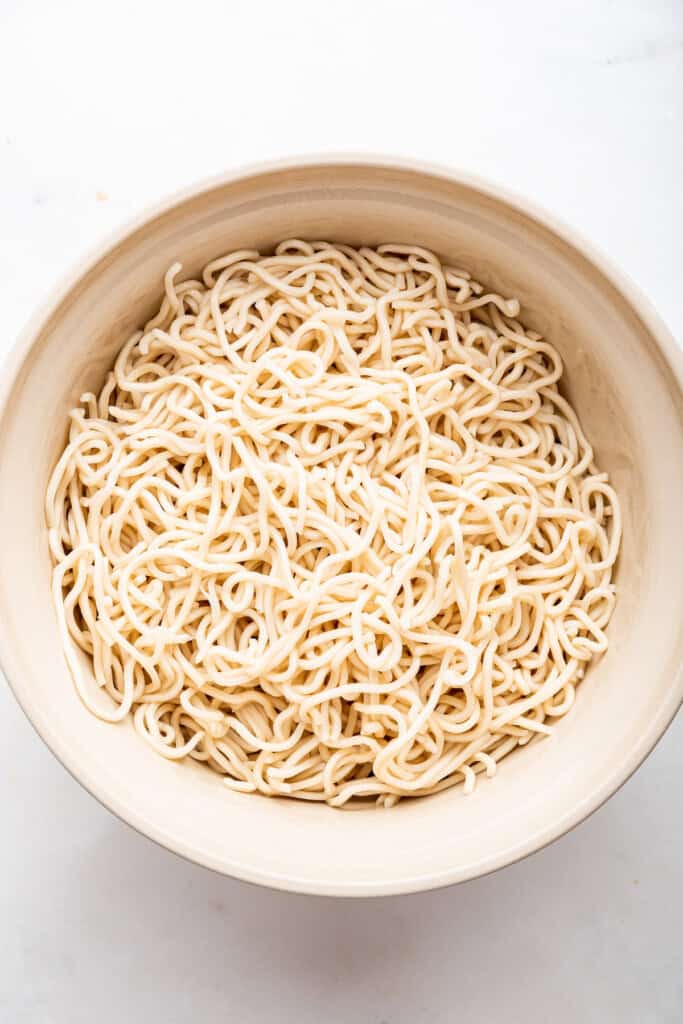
[(624, 375)]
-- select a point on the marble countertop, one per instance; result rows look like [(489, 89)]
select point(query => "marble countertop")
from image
[(578, 105)]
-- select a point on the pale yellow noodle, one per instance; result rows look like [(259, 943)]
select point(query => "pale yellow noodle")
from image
[(330, 528)]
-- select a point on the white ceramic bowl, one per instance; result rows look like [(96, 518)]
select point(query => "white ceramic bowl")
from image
[(624, 376)]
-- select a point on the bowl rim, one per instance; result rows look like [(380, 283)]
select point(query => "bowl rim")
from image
[(10, 368)]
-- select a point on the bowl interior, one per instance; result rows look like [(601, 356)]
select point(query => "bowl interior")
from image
[(619, 380)]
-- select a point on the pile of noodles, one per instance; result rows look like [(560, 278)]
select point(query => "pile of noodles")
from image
[(330, 528)]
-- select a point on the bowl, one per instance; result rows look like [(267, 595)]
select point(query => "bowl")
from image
[(624, 375)]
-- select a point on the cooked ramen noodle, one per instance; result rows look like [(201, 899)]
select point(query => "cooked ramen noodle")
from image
[(331, 529)]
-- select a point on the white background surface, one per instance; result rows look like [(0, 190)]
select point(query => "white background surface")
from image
[(103, 109)]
